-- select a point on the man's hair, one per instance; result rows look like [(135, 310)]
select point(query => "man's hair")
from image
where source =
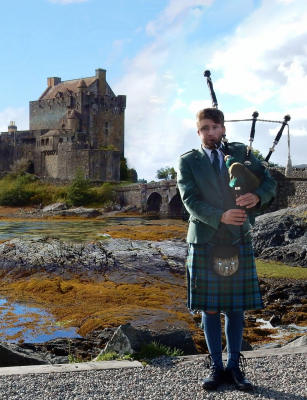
[(210, 113)]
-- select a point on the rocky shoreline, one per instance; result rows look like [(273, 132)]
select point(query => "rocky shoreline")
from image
[(278, 236)]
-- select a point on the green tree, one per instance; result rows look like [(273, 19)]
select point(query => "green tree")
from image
[(127, 174), (260, 157), (78, 193), (123, 169), (166, 173), (132, 175)]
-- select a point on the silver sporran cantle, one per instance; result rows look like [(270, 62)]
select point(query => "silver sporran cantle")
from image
[(225, 260)]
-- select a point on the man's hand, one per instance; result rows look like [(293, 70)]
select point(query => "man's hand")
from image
[(234, 217), (248, 200)]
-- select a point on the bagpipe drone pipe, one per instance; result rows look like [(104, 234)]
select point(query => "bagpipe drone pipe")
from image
[(242, 179)]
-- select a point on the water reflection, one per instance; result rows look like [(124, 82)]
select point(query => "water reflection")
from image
[(21, 321), (65, 230)]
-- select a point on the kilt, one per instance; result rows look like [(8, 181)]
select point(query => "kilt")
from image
[(208, 291)]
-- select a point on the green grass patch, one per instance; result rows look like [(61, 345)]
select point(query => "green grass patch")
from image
[(156, 349), (273, 269), (108, 356)]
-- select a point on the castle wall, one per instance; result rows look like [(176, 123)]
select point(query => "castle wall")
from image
[(51, 165), (7, 156), (108, 127), (47, 114)]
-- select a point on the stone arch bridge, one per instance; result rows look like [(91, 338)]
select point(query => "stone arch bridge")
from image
[(162, 197)]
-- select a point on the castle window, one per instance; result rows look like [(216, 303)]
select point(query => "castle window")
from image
[(61, 140), (106, 128), (47, 142), (43, 142)]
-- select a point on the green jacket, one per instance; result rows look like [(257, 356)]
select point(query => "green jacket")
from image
[(202, 196)]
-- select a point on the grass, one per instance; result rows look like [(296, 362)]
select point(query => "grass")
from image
[(28, 190), (149, 351), (272, 269), (156, 349)]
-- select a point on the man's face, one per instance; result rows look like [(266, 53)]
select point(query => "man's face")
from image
[(210, 132)]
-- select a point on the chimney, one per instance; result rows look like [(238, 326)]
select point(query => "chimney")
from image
[(53, 81), (101, 76)]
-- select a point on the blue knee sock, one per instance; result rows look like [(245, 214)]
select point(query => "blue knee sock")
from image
[(234, 324), (213, 334)]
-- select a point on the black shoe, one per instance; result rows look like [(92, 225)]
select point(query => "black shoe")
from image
[(236, 376), (213, 380)]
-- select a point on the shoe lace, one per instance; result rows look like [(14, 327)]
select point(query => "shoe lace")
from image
[(239, 368), (209, 364)]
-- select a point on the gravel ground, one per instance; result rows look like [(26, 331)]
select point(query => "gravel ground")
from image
[(277, 377)]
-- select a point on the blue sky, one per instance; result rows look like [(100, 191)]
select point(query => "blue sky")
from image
[(155, 52)]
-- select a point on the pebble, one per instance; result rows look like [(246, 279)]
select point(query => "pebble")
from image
[(277, 377)]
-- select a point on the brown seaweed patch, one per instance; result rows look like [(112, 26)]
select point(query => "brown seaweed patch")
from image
[(145, 232), (88, 305)]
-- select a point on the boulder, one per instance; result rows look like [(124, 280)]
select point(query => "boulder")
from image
[(302, 341), (12, 355), (55, 207), (129, 340), (80, 212), (281, 236)]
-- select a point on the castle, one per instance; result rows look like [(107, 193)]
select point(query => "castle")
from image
[(74, 123)]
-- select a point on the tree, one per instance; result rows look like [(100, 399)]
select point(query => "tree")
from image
[(166, 173), (261, 158), (78, 193), (127, 174)]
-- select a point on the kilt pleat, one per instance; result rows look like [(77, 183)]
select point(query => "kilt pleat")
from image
[(208, 291)]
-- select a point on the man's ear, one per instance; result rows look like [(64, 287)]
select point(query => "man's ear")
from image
[(198, 133)]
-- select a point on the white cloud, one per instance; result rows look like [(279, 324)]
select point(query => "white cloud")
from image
[(176, 9), (18, 115), (266, 63)]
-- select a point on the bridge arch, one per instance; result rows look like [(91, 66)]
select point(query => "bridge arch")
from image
[(175, 206), (154, 202)]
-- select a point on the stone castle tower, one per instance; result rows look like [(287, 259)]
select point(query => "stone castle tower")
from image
[(75, 123)]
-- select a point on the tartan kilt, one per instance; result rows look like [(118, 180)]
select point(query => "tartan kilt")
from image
[(208, 291)]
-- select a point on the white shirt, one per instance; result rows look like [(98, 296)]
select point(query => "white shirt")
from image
[(211, 156)]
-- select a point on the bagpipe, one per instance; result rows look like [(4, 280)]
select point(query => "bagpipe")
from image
[(242, 179)]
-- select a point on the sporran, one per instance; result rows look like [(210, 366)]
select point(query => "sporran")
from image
[(225, 260)]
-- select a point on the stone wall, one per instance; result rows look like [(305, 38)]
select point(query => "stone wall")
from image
[(130, 195), (51, 165), (47, 114), (291, 192)]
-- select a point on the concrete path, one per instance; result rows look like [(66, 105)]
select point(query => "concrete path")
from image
[(106, 365)]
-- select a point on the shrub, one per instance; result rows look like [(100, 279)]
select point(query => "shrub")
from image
[(16, 193), (78, 193)]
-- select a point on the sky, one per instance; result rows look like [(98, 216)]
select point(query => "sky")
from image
[(155, 53)]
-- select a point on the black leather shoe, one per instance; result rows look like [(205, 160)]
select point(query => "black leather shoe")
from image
[(236, 376), (213, 380)]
